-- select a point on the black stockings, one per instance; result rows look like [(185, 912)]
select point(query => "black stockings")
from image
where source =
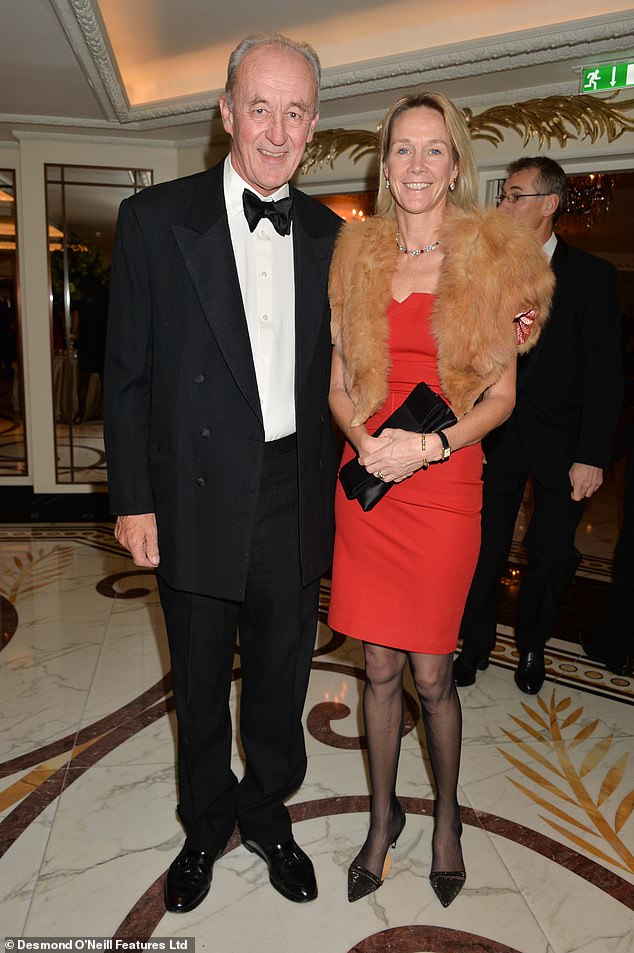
[(442, 719), (383, 711)]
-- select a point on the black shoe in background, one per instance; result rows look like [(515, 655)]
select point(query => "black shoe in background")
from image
[(466, 666), (618, 662), (530, 672)]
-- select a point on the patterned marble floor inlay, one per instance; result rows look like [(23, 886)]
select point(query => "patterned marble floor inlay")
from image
[(88, 790)]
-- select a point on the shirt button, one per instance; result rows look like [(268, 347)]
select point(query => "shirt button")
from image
[(205, 433), (264, 274), (200, 481), (265, 317), (199, 379)]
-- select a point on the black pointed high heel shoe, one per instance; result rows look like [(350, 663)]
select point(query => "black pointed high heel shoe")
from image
[(447, 884), (362, 881)]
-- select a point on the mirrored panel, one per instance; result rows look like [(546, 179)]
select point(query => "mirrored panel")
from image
[(82, 206), (13, 459)]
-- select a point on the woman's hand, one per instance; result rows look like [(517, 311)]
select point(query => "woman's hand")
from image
[(396, 454)]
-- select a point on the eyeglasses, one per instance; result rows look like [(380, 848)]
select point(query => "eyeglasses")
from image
[(514, 197)]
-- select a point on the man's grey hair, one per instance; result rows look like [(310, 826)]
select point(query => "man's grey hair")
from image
[(270, 39), (551, 178)]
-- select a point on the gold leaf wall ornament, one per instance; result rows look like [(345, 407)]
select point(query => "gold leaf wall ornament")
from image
[(557, 741), (329, 145), (556, 117), (560, 118)]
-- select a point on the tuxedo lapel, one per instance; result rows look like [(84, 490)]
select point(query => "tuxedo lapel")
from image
[(312, 250), (204, 242)]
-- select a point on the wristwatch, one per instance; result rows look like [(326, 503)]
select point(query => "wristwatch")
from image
[(446, 449)]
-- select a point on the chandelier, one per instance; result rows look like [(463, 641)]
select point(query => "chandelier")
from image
[(588, 196)]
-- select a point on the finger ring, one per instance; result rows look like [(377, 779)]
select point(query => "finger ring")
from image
[(380, 475)]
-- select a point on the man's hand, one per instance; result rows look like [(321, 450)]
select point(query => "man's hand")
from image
[(138, 534), (585, 480)]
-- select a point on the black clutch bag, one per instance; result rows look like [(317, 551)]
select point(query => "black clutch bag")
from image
[(422, 411)]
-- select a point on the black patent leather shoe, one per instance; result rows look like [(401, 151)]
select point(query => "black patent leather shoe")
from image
[(530, 672), (447, 884), (466, 666), (188, 880), (620, 663), (361, 881), (291, 871)]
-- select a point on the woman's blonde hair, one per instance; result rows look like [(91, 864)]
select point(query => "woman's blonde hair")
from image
[(466, 191)]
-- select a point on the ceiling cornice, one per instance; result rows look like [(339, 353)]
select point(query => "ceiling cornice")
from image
[(362, 120), (24, 135), (88, 39), (477, 57), (84, 28)]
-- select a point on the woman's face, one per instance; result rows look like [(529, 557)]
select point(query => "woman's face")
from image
[(420, 164)]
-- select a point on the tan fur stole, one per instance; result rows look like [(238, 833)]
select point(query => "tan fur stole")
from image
[(493, 269)]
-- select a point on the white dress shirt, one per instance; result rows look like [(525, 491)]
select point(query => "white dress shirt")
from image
[(549, 246), (264, 260)]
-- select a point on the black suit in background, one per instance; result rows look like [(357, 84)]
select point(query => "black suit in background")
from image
[(245, 529), (569, 393)]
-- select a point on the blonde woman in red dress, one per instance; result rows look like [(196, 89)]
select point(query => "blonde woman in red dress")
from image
[(429, 289)]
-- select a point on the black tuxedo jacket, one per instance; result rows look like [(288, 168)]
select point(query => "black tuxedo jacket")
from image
[(570, 386), (183, 425)]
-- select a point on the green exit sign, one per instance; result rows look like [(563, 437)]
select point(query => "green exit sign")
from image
[(608, 76)]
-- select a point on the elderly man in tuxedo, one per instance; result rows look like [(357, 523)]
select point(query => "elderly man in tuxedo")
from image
[(569, 394), (221, 455)]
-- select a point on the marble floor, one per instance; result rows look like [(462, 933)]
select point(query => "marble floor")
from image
[(87, 781)]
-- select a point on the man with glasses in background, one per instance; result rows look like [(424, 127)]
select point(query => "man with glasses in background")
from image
[(569, 393)]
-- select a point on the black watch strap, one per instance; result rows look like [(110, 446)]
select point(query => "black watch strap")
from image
[(446, 449)]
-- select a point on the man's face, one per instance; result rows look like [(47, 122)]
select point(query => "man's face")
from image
[(272, 117), (533, 210)]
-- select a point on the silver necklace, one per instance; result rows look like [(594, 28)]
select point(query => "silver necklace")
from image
[(414, 252)]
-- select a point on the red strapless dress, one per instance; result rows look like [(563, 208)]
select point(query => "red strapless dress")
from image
[(401, 572)]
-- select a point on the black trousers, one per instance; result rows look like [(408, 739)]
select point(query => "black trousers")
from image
[(617, 623), (277, 624), (552, 557)]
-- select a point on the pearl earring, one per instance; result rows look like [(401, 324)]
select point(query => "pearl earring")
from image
[(452, 186), (387, 182)]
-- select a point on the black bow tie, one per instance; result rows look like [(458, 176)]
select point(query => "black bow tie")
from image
[(278, 212)]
